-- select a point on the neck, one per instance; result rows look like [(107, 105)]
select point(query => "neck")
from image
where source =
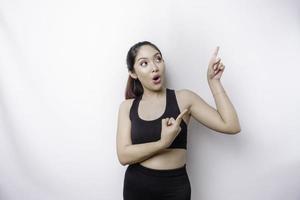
[(152, 94)]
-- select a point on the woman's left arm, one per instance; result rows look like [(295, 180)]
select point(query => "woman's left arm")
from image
[(224, 106), (225, 118)]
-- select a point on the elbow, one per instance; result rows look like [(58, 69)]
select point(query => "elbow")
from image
[(125, 160), (122, 158), (122, 161)]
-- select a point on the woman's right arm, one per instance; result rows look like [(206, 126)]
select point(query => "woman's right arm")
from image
[(127, 152)]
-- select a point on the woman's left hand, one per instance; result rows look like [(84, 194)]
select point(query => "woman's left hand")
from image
[(215, 66)]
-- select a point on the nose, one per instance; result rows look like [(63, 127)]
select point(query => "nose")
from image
[(154, 67)]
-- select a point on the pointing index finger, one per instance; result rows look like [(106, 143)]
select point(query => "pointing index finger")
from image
[(179, 117), (216, 51)]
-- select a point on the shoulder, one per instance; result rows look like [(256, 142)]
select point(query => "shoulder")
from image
[(184, 96), (126, 104), (185, 93)]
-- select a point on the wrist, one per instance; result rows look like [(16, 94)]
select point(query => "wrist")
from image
[(220, 92), (216, 87), (161, 144), (213, 81)]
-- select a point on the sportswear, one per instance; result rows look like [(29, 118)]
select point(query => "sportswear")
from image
[(143, 131)]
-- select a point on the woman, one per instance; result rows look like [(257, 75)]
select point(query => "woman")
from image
[(153, 147)]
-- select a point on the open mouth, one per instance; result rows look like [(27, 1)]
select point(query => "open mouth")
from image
[(156, 79)]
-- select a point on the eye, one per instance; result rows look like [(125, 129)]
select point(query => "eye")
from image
[(158, 58), (142, 64)]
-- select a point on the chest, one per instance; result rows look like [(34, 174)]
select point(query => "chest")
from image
[(146, 118), (149, 111)]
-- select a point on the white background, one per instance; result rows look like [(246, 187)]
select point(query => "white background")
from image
[(63, 75)]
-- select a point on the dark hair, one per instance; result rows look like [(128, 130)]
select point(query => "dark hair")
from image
[(134, 87)]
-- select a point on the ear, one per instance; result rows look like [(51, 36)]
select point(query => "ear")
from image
[(132, 74)]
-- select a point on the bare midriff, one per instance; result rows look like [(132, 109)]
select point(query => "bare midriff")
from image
[(166, 159)]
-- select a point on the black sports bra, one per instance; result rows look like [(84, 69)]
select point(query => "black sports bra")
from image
[(143, 131)]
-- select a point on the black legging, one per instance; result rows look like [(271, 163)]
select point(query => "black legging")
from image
[(143, 183)]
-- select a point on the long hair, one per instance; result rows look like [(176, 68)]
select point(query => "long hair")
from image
[(134, 87)]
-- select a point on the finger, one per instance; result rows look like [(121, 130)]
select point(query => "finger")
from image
[(216, 51), (170, 121), (163, 122), (215, 66), (216, 63), (221, 66), (179, 117), (217, 60)]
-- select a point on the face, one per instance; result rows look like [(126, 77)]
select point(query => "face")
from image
[(148, 65)]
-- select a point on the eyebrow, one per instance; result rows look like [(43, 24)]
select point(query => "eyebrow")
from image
[(153, 56)]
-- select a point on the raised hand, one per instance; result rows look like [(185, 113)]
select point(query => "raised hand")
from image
[(215, 66), (170, 128)]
